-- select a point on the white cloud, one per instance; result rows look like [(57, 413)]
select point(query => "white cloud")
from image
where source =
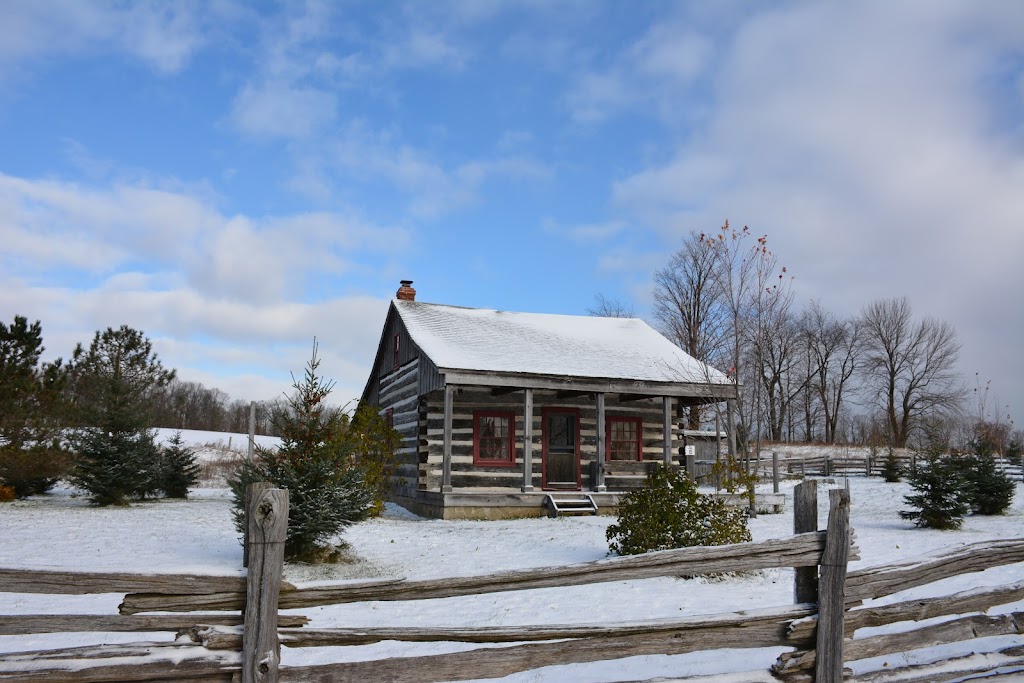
[(655, 72), (165, 35), (282, 110), (870, 142)]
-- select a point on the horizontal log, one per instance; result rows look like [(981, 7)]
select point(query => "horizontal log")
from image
[(803, 550), (81, 583), (759, 631), (21, 624), (875, 582), (966, 628), (974, 666), (216, 637), (125, 662), (976, 600)]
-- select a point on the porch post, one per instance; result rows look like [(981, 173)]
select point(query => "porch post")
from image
[(527, 440), (666, 426), (446, 465), (602, 447)]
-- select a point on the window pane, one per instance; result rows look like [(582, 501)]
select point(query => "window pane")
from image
[(561, 430), (494, 449)]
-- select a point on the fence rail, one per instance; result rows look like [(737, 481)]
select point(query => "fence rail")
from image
[(823, 627)]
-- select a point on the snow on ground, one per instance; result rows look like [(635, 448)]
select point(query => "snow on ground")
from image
[(196, 536)]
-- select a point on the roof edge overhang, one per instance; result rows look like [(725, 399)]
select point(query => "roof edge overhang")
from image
[(707, 391)]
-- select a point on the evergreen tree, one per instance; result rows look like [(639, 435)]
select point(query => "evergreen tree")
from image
[(942, 494), (178, 468), (112, 385), (31, 455), (989, 489), (1014, 449), (326, 491), (374, 442), (891, 468), (669, 512)]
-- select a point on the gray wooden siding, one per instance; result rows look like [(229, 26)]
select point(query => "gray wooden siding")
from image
[(466, 475), (399, 392)]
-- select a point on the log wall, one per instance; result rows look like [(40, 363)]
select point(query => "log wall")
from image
[(468, 399), (399, 392)]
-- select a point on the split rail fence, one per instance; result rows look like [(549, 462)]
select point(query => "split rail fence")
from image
[(820, 627)]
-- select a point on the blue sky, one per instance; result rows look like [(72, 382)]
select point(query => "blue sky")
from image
[(234, 178)]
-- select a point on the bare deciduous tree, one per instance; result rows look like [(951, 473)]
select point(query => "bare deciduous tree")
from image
[(611, 308), (688, 306), (910, 366), (835, 350)]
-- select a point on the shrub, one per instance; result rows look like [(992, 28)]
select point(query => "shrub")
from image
[(326, 490), (33, 470), (989, 489), (668, 512), (178, 468), (6, 494), (374, 443)]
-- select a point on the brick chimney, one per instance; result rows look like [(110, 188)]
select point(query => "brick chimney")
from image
[(406, 292)]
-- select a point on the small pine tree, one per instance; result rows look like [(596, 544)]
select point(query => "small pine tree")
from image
[(942, 495), (891, 468), (112, 385), (989, 489), (1013, 450), (326, 491), (668, 512), (116, 467), (178, 468)]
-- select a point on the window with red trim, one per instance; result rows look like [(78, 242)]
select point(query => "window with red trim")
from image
[(494, 438), (623, 438), (394, 359), (389, 416)]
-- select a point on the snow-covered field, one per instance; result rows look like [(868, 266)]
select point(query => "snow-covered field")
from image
[(61, 530)]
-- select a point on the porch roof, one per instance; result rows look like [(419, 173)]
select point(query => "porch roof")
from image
[(484, 340)]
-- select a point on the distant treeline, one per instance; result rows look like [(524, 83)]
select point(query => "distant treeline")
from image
[(192, 405)]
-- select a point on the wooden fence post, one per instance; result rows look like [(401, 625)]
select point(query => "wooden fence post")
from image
[(805, 520), (252, 492), (775, 471), (268, 528), (828, 667)]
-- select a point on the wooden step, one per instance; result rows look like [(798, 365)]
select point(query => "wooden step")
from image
[(570, 504)]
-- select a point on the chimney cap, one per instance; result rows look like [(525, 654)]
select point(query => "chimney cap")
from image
[(405, 292)]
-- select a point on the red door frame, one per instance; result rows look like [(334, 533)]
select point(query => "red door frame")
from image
[(544, 412)]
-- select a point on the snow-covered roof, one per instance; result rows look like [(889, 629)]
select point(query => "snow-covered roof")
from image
[(478, 339)]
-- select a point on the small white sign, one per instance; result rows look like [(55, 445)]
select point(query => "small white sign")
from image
[(690, 450)]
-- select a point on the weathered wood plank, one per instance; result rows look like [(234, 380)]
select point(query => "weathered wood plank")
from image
[(220, 637), (82, 583), (805, 520), (966, 628), (268, 528), (977, 600), (875, 582), (127, 662), (21, 624), (797, 551), (831, 586), (761, 631), (1002, 665)]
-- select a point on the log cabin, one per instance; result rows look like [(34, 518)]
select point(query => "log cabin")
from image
[(502, 414)]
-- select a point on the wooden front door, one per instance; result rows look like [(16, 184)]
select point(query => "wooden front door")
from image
[(561, 448)]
